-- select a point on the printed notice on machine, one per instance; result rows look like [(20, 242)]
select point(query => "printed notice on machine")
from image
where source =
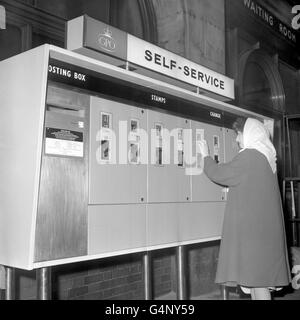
[(63, 142), (106, 138), (134, 137), (199, 158)]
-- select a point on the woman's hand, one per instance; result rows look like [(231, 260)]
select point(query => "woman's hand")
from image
[(203, 148)]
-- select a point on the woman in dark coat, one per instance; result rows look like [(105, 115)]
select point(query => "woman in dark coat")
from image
[(253, 252)]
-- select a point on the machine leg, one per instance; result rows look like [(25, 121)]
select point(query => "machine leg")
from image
[(43, 277), (10, 293), (224, 292), (147, 265), (181, 273), (295, 234)]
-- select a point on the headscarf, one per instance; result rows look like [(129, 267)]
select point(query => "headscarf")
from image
[(256, 136)]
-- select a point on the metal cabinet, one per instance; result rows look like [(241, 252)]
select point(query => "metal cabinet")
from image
[(112, 181)]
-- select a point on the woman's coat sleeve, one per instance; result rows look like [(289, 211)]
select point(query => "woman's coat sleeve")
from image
[(227, 174)]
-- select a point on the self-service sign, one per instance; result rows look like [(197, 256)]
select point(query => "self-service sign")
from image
[(108, 40), (165, 62)]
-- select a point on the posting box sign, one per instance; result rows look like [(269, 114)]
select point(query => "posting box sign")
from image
[(163, 61)]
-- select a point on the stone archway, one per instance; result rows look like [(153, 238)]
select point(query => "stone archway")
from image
[(259, 82), (135, 17), (260, 89), (193, 29)]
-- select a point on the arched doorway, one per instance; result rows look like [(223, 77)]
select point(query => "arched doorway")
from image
[(135, 17), (260, 86), (260, 89)]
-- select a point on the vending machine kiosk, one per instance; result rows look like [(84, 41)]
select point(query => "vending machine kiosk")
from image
[(88, 138)]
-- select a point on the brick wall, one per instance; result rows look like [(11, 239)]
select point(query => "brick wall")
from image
[(118, 278), (113, 278), (163, 271), (202, 268), (122, 277)]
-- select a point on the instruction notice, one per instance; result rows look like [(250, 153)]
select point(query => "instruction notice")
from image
[(159, 143), (63, 142), (134, 137), (106, 138), (199, 158), (180, 148), (216, 148)]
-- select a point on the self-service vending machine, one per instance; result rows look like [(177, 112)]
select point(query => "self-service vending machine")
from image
[(87, 164)]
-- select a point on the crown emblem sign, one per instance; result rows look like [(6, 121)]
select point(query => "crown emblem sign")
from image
[(106, 41), (107, 32)]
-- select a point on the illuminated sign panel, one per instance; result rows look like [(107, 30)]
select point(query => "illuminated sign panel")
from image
[(163, 61), (100, 37)]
